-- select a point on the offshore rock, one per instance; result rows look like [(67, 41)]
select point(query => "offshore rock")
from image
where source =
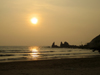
[(54, 46), (65, 45), (61, 44)]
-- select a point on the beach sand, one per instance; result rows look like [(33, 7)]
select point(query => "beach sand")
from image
[(78, 66)]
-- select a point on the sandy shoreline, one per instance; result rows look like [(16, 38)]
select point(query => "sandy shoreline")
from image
[(79, 66)]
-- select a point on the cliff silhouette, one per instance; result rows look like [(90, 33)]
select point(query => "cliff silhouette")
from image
[(93, 44)]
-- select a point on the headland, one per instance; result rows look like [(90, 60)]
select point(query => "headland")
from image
[(93, 44)]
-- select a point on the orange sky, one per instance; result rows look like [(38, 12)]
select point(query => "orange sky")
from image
[(74, 21)]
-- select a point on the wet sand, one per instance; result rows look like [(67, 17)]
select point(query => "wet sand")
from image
[(79, 66)]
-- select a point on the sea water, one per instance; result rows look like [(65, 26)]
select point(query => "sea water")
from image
[(30, 53)]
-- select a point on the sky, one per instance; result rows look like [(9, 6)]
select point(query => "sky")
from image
[(74, 21)]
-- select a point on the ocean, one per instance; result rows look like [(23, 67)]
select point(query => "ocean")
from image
[(33, 53)]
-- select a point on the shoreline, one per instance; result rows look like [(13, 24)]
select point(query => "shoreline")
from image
[(78, 66)]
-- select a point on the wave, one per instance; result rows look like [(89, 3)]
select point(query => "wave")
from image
[(12, 59)]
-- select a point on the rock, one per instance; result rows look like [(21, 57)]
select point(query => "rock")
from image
[(95, 43), (61, 44), (65, 45), (54, 46)]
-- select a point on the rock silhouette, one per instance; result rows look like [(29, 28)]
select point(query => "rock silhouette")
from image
[(94, 44), (54, 46), (65, 45), (62, 45)]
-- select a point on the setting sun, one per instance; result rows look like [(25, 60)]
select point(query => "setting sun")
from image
[(34, 20)]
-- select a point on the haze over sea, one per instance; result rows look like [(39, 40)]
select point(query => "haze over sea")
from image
[(30, 53)]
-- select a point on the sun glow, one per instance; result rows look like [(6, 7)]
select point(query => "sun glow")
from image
[(34, 20)]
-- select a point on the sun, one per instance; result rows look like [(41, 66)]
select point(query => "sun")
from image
[(34, 20)]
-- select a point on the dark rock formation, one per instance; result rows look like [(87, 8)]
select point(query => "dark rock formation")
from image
[(65, 45), (95, 44), (54, 46), (61, 44)]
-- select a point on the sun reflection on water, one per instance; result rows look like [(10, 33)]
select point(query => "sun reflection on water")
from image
[(34, 54)]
